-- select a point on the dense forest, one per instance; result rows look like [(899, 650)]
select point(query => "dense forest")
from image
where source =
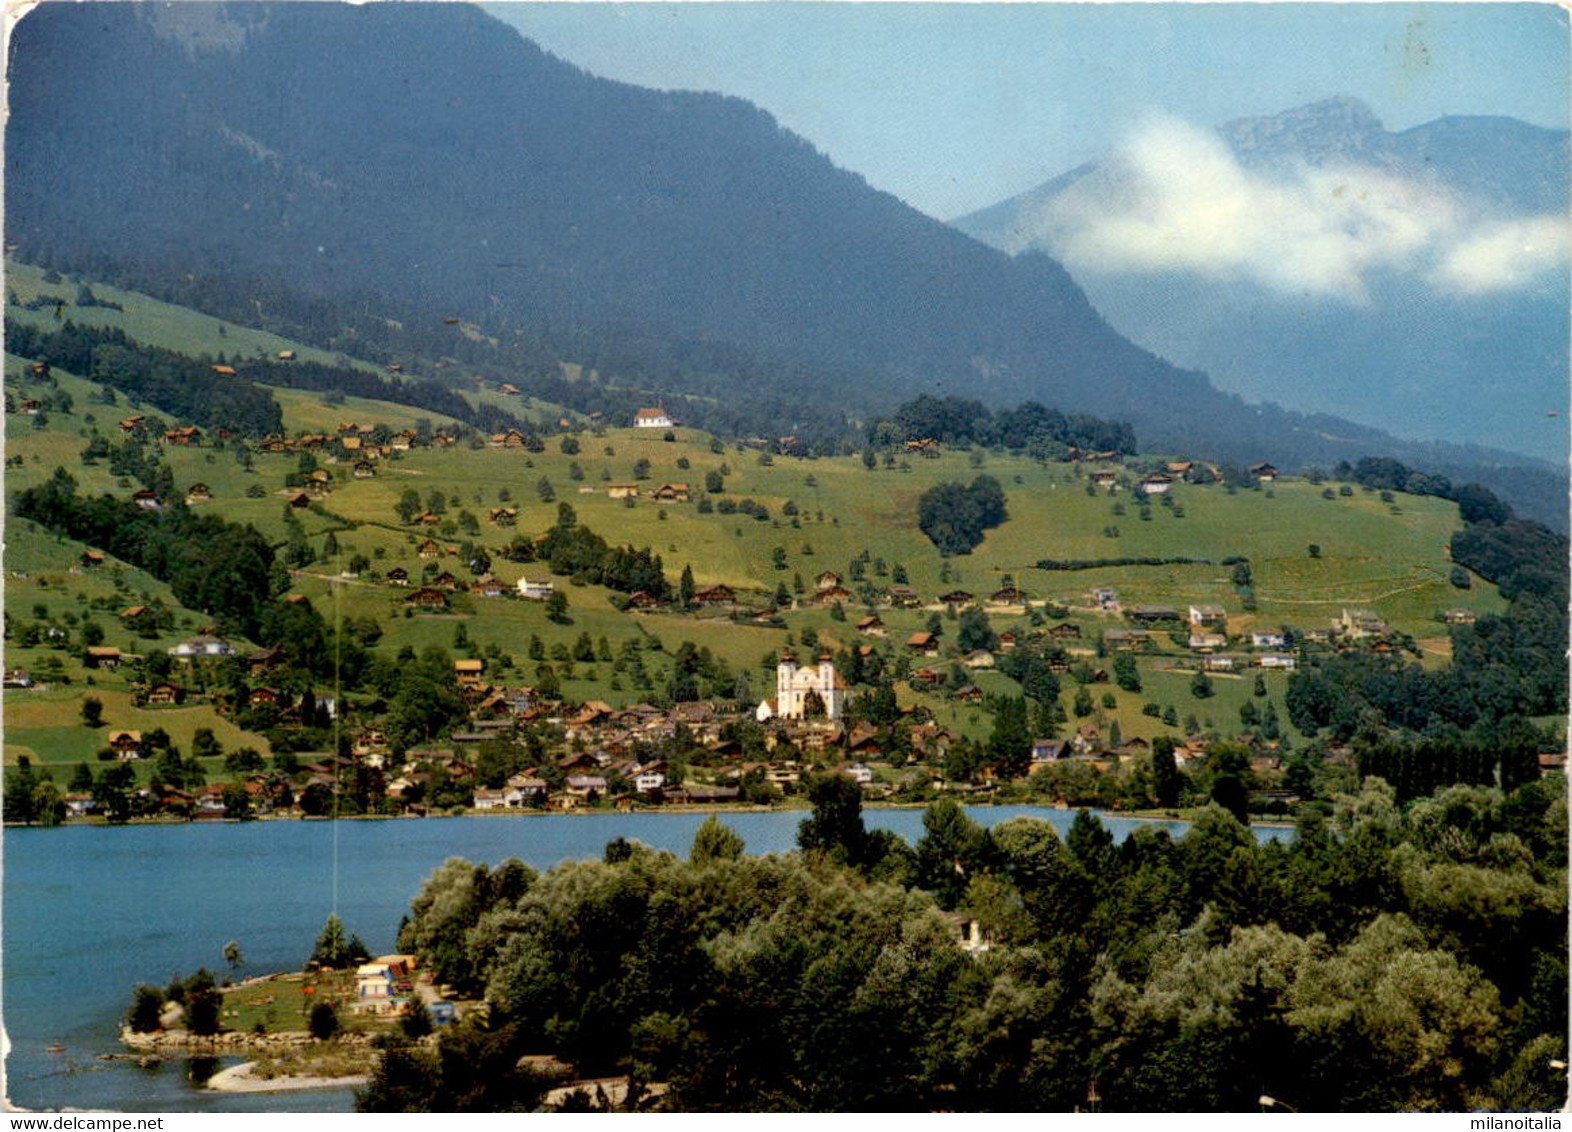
[(581, 554), (220, 568), (183, 386), (193, 389), (1044, 433), (1503, 667), (1383, 959), (955, 516)]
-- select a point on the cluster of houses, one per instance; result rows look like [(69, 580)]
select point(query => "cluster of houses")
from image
[(1205, 626), (366, 443), (602, 763), (389, 985), (664, 493), (603, 754)]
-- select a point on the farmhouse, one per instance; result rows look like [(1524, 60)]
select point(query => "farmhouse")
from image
[(202, 647), (671, 493), (1155, 484), (1127, 640), (535, 590), (1050, 750), (198, 493), (653, 418), (1357, 624), (126, 745), (1209, 617)]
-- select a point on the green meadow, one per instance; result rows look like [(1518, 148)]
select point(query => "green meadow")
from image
[(821, 514)]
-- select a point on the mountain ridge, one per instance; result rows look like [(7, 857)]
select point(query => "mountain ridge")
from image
[(1418, 346), (394, 160)]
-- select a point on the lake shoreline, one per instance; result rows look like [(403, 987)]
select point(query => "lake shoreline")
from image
[(241, 1079), (1146, 816)]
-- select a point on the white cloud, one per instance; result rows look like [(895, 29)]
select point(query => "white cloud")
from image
[(1177, 199), (1507, 255)]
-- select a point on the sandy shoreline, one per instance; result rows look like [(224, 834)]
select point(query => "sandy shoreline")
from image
[(239, 1079)]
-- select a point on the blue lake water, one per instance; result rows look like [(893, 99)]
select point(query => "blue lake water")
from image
[(90, 911)]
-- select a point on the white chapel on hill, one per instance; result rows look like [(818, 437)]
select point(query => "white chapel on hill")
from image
[(792, 685)]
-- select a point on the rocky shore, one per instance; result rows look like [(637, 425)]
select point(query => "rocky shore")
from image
[(182, 1043)]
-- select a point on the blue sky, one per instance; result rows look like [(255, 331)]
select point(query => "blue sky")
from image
[(952, 107)]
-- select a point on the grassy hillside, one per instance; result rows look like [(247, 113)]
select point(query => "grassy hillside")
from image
[(822, 514), (156, 323), (153, 322)]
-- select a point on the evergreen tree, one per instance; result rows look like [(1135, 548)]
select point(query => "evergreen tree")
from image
[(1167, 779), (1010, 744), (715, 842)]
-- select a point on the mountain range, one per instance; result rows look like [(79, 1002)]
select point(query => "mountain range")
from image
[(333, 165), (1414, 280)]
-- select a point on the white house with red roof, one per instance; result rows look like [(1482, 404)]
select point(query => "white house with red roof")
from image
[(657, 417)]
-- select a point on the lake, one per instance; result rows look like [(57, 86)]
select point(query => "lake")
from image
[(91, 911)]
